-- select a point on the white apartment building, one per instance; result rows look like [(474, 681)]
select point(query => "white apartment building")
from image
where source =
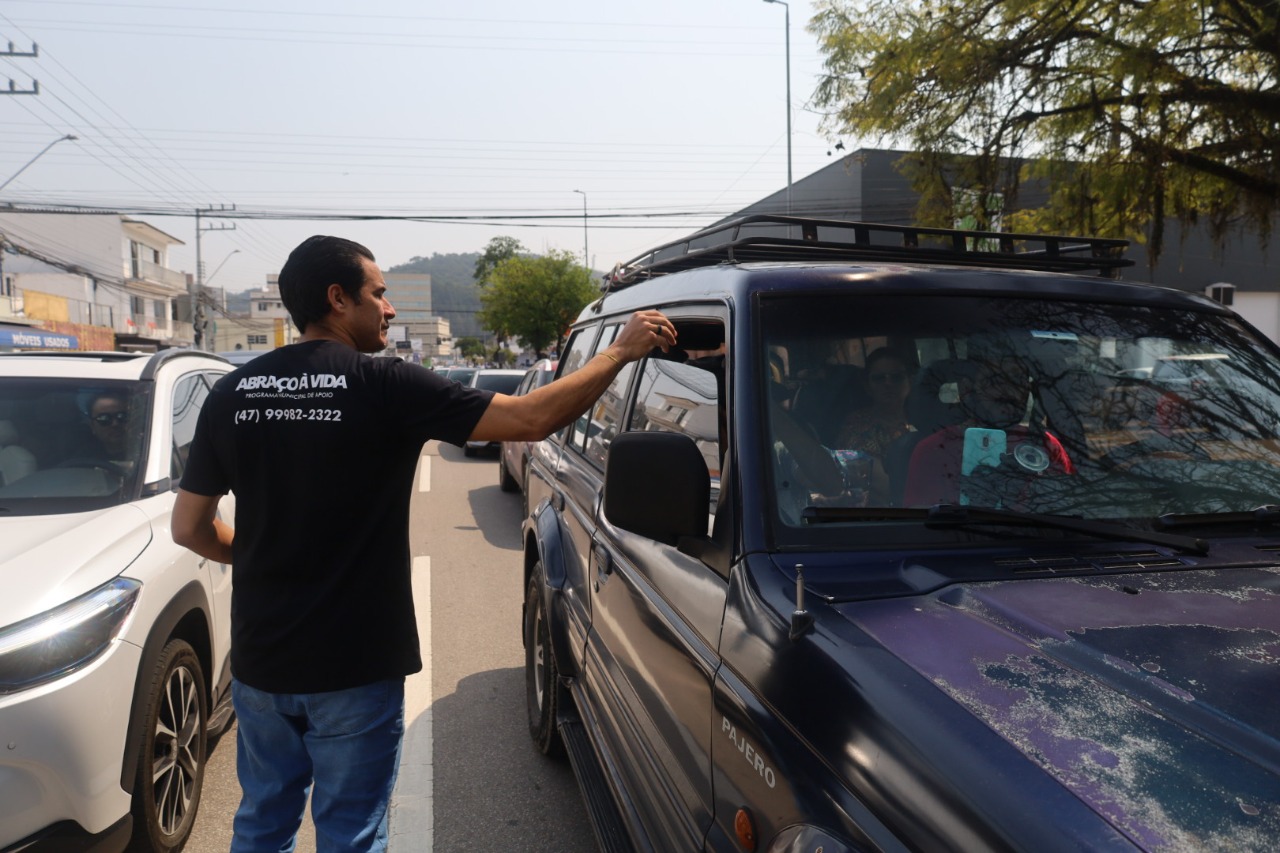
[(267, 325), (90, 281)]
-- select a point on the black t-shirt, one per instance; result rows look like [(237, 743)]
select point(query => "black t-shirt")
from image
[(320, 445)]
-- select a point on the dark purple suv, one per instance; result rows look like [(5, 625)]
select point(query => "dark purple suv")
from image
[(910, 545)]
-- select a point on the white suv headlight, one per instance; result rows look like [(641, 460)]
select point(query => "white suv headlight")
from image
[(65, 638)]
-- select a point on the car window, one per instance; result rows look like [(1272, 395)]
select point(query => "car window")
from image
[(69, 445), (501, 383), (605, 416), (576, 355), (189, 395), (1049, 406), (684, 398)]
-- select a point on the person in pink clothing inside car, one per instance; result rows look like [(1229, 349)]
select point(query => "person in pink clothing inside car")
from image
[(945, 466)]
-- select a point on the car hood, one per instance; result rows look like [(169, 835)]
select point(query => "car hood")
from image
[(1151, 696), (46, 560)]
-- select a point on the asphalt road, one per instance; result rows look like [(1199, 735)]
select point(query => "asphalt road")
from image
[(470, 780)]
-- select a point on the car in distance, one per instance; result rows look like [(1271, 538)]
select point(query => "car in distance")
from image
[(513, 456), (498, 381), (461, 374), (114, 641), (241, 356), (762, 617)]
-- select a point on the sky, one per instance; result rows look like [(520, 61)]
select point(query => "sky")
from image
[(491, 117)]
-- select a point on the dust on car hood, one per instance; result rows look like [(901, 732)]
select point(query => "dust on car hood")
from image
[(1151, 696), (46, 560)]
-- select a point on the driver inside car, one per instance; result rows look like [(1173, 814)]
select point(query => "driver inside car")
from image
[(108, 421), (946, 465)]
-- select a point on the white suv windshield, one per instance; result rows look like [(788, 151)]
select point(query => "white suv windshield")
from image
[(69, 445), (1086, 409)]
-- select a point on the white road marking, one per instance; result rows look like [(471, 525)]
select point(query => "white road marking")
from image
[(424, 474), (412, 820)]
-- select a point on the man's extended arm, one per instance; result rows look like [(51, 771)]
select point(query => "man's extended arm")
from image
[(195, 525), (539, 413)]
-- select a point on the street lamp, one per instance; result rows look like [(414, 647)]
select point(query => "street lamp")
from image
[(37, 157), (787, 21), (586, 259), (221, 265)]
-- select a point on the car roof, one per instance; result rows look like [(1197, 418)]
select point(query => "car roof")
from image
[(767, 253), (242, 356), (741, 281), (100, 365)]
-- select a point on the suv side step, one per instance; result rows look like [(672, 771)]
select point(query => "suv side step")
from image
[(611, 833)]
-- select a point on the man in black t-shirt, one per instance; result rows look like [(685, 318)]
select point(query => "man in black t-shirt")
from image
[(320, 444)]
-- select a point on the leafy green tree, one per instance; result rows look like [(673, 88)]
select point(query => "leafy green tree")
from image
[(471, 348), (1131, 110), (536, 298), (498, 250)]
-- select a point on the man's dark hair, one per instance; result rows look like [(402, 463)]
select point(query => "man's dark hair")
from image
[(315, 264)]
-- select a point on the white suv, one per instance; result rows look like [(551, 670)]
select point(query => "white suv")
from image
[(113, 640)]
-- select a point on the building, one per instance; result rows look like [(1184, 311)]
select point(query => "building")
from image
[(867, 186), (89, 281), (410, 294), (265, 326), (418, 333)]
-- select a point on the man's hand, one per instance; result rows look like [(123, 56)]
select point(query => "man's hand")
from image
[(644, 331), (194, 524)]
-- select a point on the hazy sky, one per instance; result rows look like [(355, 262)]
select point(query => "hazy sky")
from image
[(483, 109)]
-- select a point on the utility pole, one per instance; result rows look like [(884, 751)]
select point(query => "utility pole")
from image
[(586, 258), (786, 8), (13, 87), (197, 298)]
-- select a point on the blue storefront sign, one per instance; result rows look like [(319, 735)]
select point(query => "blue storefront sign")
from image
[(33, 338)]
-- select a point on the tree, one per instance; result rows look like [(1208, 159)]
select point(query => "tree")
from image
[(471, 348), (1131, 110), (536, 298), (498, 250)]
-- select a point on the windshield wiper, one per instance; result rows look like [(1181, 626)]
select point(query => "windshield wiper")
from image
[(954, 515), (1267, 514)]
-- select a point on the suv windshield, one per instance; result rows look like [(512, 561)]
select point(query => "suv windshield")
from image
[(1097, 410), (69, 445)]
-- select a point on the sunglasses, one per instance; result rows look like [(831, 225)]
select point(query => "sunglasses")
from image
[(895, 378), (108, 418)]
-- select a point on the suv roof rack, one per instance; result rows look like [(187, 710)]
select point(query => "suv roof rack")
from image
[(768, 237)]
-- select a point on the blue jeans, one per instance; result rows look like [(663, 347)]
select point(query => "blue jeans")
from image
[(347, 741)]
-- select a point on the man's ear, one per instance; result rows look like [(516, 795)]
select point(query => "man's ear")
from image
[(338, 299)]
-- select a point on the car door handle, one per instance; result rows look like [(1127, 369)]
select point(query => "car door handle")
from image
[(604, 564)]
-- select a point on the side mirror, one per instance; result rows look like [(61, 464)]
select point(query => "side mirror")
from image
[(656, 485)]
